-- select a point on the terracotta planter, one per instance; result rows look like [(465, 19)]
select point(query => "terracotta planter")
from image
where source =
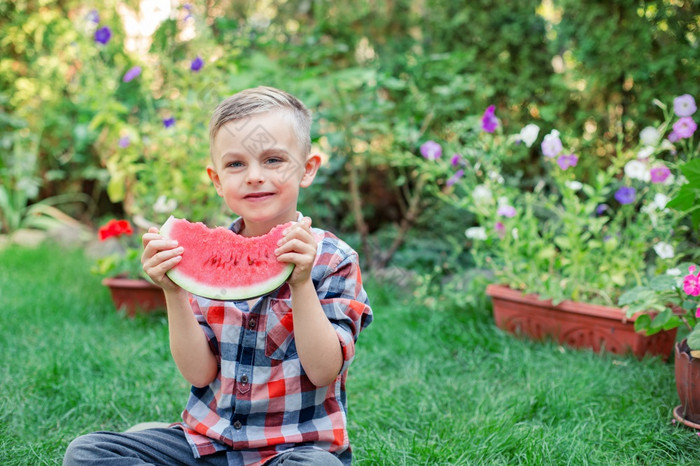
[(134, 295), (688, 386), (575, 324)]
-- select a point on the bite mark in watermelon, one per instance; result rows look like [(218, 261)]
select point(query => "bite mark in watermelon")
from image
[(220, 264)]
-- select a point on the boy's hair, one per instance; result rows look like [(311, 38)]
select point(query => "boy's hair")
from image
[(259, 100)]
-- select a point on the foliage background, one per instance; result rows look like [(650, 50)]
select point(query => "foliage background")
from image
[(381, 77)]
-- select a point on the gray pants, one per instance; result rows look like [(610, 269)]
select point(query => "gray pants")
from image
[(168, 446)]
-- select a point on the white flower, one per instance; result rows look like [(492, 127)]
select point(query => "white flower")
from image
[(574, 185), (476, 233), (667, 145), (674, 272), (514, 232), (649, 136), (637, 170), (660, 201), (645, 152), (529, 134), (482, 194), (164, 205), (664, 250)]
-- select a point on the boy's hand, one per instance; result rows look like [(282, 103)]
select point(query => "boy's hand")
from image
[(159, 256), (298, 247)]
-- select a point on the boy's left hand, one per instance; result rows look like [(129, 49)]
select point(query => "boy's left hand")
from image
[(298, 247)]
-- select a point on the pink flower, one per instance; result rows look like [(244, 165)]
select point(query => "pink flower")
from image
[(697, 313), (691, 283), (684, 105), (506, 211), (431, 150), (659, 174), (684, 127)]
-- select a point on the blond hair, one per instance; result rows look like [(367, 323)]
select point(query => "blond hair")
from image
[(259, 100)]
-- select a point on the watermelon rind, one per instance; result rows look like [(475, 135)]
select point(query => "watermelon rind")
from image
[(231, 293)]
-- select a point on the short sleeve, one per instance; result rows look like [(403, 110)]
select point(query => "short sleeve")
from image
[(344, 301), (204, 325)]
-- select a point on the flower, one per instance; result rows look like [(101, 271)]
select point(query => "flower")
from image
[(169, 122), (691, 283), (625, 195), (93, 16), (453, 179), (684, 127), (660, 201), (197, 64), (431, 150), (164, 205), (103, 34), (649, 136), (506, 210), (551, 145), (529, 134), (126, 258), (664, 250), (566, 161), (659, 174), (684, 105), (482, 194), (476, 233), (489, 122), (124, 142), (456, 160), (574, 185), (637, 170), (131, 74)]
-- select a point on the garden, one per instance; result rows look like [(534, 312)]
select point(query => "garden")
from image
[(482, 158)]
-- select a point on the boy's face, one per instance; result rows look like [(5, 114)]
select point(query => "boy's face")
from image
[(258, 168)]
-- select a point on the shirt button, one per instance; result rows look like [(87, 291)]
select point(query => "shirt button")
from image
[(244, 379), (251, 323), (237, 425)]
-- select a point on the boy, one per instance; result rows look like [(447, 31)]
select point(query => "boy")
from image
[(268, 374)]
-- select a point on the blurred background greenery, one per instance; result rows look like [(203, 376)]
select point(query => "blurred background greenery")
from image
[(381, 77)]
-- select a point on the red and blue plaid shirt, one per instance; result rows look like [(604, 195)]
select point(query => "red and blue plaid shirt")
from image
[(262, 402)]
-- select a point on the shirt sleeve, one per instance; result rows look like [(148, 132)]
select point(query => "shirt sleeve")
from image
[(344, 301), (208, 332)]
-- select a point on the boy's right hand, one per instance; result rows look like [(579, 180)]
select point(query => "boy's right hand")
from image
[(159, 256)]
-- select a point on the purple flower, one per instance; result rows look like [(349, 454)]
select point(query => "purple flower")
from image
[(431, 150), (566, 161), (93, 16), (489, 122), (456, 160), (168, 122), (197, 64), (551, 145), (625, 195), (131, 74), (684, 127), (124, 142), (684, 105), (506, 211), (453, 179), (659, 174), (103, 34), (601, 209)]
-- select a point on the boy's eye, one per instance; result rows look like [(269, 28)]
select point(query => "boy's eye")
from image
[(274, 160), (234, 164)]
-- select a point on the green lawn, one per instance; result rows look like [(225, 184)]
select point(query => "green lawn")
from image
[(426, 387)]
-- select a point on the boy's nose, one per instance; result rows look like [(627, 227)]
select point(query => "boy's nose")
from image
[(255, 176)]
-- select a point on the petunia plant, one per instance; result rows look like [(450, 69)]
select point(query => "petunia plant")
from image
[(125, 261), (587, 228)]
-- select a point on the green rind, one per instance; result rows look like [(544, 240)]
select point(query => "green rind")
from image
[(223, 294)]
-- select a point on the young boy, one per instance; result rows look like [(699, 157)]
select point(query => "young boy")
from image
[(268, 374)]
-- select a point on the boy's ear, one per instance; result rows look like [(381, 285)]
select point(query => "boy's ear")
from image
[(313, 162), (214, 177)]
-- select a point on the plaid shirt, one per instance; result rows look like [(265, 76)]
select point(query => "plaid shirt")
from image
[(262, 402)]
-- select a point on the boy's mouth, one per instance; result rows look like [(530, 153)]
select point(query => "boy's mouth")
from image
[(257, 196)]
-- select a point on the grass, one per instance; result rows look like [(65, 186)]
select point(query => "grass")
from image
[(427, 387)]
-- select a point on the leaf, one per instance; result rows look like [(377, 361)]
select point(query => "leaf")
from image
[(684, 200), (694, 338), (636, 294), (662, 283), (691, 170), (642, 323)]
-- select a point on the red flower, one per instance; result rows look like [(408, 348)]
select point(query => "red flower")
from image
[(115, 228)]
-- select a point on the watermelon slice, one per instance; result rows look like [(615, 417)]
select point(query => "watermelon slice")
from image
[(223, 265)]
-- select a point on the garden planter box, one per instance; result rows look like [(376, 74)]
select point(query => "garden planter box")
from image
[(687, 371), (575, 324), (133, 296)]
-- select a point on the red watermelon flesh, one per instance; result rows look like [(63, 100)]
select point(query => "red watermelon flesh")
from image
[(220, 264)]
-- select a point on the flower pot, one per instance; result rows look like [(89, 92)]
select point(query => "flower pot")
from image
[(135, 295), (688, 386), (580, 325)]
